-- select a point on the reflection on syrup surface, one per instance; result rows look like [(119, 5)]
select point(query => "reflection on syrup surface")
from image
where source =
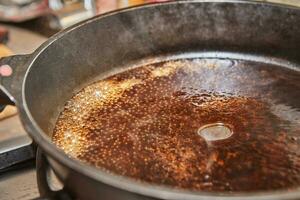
[(201, 124)]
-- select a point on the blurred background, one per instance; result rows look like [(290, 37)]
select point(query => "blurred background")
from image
[(46, 17), (25, 24), (65, 12)]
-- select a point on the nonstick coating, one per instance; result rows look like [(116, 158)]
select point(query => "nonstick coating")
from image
[(113, 42)]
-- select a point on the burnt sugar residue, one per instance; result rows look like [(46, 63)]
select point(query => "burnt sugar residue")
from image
[(199, 124)]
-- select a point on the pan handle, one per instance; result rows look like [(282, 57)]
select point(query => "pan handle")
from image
[(46, 192), (12, 72)]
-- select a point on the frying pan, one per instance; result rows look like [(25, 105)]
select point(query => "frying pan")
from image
[(43, 81)]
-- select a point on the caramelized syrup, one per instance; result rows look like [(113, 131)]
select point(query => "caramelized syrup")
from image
[(201, 124)]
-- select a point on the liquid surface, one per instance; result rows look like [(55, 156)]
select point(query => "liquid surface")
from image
[(201, 124)]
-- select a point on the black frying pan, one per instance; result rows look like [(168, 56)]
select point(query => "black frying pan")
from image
[(42, 82)]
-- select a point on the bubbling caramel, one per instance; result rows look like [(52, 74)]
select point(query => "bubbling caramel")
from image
[(197, 124)]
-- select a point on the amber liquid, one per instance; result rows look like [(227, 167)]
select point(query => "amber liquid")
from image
[(144, 123)]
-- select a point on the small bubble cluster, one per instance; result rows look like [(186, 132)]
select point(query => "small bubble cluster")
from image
[(143, 123)]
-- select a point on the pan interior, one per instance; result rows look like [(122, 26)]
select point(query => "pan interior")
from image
[(199, 124)]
